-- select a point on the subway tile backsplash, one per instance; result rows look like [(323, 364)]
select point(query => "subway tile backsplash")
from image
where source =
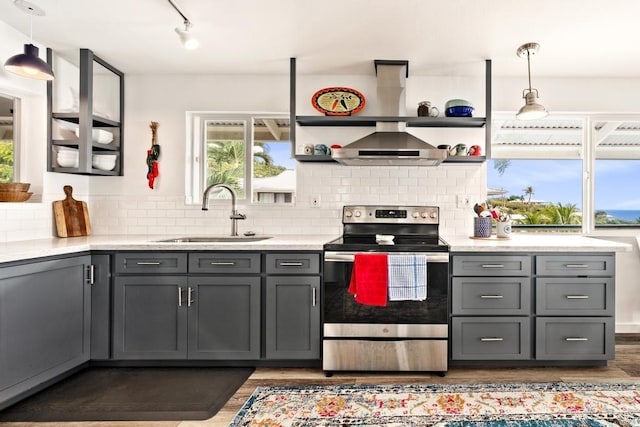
[(335, 184)]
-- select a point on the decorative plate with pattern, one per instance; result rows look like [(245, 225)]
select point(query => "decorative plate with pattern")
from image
[(338, 101)]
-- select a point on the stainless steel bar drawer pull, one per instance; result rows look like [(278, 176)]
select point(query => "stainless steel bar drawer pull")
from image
[(492, 265), (313, 297), (223, 263), (576, 339), (577, 265), (290, 264), (189, 293), (179, 297), (577, 296), (491, 296), (491, 339), (148, 263)]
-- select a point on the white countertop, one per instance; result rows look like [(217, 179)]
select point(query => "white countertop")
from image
[(523, 242), (28, 249)]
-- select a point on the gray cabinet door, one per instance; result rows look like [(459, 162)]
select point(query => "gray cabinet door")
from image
[(293, 317), (292, 263), (575, 296), (491, 265), (224, 317), (491, 295), (224, 262), (45, 315), (150, 263), (150, 317), (575, 265), (485, 338), (101, 308), (575, 338)]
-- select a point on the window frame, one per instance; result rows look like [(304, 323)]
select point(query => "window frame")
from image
[(195, 163), (589, 140), (17, 150)]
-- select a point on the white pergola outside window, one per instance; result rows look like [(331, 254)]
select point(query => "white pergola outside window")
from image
[(606, 146)]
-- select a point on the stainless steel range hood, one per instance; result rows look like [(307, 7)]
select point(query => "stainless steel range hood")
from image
[(390, 144)]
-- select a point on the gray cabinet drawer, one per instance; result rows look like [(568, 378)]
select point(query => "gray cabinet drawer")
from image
[(575, 338), (150, 262), (575, 265), (290, 263), (213, 262), (491, 265), (491, 295), (575, 296), (483, 338)]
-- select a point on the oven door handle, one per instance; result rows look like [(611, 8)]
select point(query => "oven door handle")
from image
[(331, 256)]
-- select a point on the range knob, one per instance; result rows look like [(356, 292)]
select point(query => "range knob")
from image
[(424, 215), (434, 215), (358, 214), (348, 214), (416, 215)]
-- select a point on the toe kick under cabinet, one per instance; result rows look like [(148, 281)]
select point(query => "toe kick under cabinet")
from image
[(547, 307), (215, 306)]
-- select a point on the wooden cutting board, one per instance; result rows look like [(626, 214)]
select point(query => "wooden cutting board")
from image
[(72, 216)]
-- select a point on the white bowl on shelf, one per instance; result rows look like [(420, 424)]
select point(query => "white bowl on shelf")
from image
[(67, 157), (98, 135), (104, 162)]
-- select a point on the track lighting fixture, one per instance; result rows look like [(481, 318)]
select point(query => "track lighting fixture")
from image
[(531, 109), (29, 64), (186, 37)]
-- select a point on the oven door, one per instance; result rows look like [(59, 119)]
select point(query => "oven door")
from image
[(340, 307)]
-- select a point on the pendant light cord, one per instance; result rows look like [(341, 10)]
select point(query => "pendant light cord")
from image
[(529, 68), (186, 20)]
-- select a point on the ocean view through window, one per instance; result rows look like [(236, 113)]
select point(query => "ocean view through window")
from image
[(540, 172)]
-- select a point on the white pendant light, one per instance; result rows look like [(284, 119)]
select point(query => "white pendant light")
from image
[(531, 109), (187, 38), (29, 64)]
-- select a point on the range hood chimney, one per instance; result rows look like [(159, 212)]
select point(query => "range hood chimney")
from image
[(390, 144)]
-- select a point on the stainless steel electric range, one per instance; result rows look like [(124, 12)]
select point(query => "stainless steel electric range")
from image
[(403, 335)]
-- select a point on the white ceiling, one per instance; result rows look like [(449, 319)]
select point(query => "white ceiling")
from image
[(578, 38)]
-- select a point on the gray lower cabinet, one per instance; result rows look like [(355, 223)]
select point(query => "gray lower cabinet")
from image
[(150, 317), (292, 317), (45, 319), (180, 317), (224, 317), (101, 307), (553, 307), (491, 338), (491, 307), (575, 307), (575, 338), (236, 305)]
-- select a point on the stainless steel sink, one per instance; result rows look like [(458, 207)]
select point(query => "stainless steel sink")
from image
[(216, 239)]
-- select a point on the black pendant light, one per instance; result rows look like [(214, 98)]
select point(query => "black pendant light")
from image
[(29, 64)]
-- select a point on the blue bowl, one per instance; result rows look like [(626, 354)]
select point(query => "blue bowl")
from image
[(460, 111)]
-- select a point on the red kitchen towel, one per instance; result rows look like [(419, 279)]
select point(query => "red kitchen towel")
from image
[(369, 279)]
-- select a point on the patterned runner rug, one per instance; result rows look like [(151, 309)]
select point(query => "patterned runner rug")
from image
[(445, 405)]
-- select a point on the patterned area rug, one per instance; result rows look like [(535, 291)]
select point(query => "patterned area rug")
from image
[(445, 405)]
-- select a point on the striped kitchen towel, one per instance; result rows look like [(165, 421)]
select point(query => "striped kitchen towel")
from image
[(407, 275)]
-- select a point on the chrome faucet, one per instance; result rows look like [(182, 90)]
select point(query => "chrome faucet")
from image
[(235, 216)]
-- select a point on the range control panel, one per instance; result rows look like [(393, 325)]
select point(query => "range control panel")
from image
[(391, 214)]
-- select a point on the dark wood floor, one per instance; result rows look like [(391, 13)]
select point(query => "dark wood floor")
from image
[(625, 368)]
